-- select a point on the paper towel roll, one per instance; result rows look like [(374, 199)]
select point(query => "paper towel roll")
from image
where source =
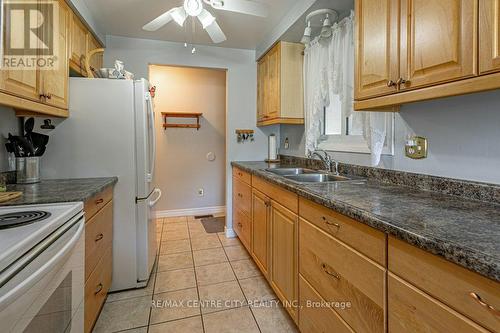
[(273, 148)]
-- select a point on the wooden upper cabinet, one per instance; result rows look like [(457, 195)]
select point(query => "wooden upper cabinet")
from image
[(78, 49), (22, 83), (261, 88), (280, 86), (377, 62), (54, 83), (489, 36), (438, 41)]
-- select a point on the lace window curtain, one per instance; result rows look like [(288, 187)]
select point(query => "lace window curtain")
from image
[(329, 67)]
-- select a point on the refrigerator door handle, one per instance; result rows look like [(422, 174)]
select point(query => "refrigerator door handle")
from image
[(157, 191), (152, 136)]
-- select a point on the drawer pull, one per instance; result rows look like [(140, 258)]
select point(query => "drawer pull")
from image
[(240, 174), (240, 225), (99, 201), (333, 224), (99, 237), (325, 269), (98, 289), (480, 301), (240, 195)]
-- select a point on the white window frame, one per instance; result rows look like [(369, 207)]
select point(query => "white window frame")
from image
[(357, 143)]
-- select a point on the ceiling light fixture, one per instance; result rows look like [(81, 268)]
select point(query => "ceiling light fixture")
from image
[(319, 18), (179, 15), (193, 7), (306, 39)]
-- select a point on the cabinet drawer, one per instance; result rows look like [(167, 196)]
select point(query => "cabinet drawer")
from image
[(340, 273), (95, 203), (96, 289), (242, 227), (285, 198), (365, 239), (242, 196), (242, 175), (98, 237), (411, 310), (449, 283), (314, 315)]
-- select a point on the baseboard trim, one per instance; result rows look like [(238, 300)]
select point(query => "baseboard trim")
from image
[(230, 233), (190, 211)]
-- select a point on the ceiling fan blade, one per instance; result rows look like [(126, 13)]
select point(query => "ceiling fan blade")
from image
[(158, 22), (216, 33), (240, 6)]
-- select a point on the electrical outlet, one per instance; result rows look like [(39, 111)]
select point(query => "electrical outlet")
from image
[(201, 192), (416, 148)]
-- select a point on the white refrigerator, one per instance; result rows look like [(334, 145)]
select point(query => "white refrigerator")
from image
[(111, 132)]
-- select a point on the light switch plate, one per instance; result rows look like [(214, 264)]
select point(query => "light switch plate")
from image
[(416, 148)]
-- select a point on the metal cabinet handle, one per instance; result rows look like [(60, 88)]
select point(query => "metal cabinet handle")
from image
[(480, 301), (391, 83), (99, 201), (402, 81), (240, 195), (49, 96), (267, 203), (240, 225), (42, 96), (325, 269), (98, 289), (99, 237), (336, 225)]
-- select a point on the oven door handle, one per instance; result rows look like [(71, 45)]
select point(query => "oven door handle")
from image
[(21, 288)]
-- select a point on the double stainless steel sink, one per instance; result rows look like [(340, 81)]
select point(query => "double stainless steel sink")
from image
[(303, 175)]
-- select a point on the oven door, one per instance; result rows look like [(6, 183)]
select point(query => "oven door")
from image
[(43, 290)]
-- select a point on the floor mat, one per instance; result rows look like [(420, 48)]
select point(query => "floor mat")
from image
[(214, 225)]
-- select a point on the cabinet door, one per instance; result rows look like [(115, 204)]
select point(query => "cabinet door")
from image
[(377, 59), (262, 70), (284, 270), (78, 45), (97, 59), (261, 230), (489, 36), (20, 82), (273, 87), (54, 83), (438, 41)]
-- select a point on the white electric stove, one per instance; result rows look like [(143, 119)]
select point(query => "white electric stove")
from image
[(42, 252)]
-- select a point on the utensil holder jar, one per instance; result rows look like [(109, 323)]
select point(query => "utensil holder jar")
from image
[(28, 170)]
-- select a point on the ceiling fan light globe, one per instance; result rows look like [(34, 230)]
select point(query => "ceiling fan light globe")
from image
[(193, 7)]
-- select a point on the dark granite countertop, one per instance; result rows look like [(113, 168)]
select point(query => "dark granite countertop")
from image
[(59, 190), (462, 231)]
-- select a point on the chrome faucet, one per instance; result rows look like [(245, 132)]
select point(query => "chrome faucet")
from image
[(330, 164)]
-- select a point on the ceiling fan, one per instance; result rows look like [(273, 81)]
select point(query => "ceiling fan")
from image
[(195, 8)]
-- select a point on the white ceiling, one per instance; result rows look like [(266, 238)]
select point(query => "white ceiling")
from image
[(126, 18)]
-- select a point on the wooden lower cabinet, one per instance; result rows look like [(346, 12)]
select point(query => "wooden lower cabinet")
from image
[(284, 270), (261, 231), (314, 314), (411, 310), (341, 274), (98, 254)]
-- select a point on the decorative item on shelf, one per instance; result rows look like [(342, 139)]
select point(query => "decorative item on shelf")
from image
[(243, 135), (192, 115), (272, 154), (152, 91)]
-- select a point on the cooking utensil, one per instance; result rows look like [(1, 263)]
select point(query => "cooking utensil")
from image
[(29, 125), (40, 151)]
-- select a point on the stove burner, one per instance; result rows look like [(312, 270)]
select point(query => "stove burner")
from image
[(12, 220)]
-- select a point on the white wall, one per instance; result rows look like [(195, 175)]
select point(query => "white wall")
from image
[(241, 88), (8, 123), (463, 134)]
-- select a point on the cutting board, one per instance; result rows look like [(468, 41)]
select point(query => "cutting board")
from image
[(7, 196)]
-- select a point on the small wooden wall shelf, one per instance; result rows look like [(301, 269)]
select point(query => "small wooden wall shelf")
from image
[(192, 115)]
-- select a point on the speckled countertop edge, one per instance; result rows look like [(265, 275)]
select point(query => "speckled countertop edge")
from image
[(59, 190), (473, 260)]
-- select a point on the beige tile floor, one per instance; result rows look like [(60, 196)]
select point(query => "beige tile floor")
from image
[(201, 283)]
